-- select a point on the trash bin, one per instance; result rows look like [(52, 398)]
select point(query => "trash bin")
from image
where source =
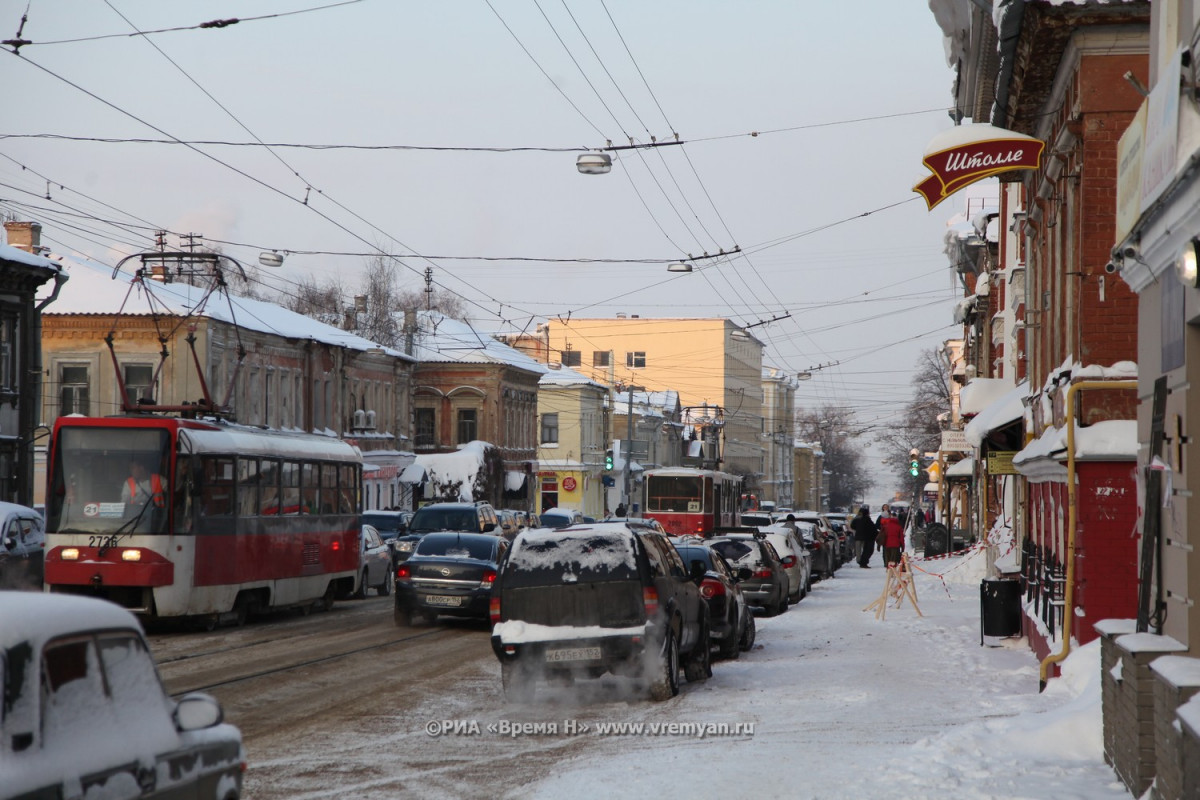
[(937, 540), (1000, 607)]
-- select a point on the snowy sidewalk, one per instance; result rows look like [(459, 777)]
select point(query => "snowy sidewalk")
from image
[(848, 706)]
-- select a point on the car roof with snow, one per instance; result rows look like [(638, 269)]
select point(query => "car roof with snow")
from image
[(39, 617)]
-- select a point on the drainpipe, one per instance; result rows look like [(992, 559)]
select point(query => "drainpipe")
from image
[(1072, 521)]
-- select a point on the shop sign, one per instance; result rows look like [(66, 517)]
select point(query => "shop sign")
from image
[(966, 154), (568, 484), (999, 462)]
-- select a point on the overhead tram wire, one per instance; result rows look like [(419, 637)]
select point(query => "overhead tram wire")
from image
[(307, 184), (255, 180)]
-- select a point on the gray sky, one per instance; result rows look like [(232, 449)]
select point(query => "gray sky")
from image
[(844, 98)]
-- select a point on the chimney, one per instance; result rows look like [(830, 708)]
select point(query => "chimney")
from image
[(25, 236)]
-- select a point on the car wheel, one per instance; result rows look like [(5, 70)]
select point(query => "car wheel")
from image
[(362, 587), (785, 604), (665, 684), (729, 645), (519, 683), (389, 580), (699, 663), (749, 635)]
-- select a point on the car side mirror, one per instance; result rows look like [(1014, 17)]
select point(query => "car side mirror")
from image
[(698, 571), (196, 711)]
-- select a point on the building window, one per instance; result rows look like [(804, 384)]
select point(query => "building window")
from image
[(139, 383), (570, 358), (424, 431), (601, 358), (635, 360), (549, 428), (8, 353), (73, 394), (468, 425)]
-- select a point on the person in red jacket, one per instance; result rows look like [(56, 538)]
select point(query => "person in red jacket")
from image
[(892, 534)]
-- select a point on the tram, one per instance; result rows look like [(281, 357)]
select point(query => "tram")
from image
[(692, 501), (229, 519)]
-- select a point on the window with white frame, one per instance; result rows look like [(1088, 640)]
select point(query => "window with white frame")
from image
[(549, 428), (74, 385), (635, 360)]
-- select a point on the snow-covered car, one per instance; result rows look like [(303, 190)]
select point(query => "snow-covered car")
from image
[(767, 586), (376, 571), (85, 714), (796, 558), (22, 547), (594, 599)]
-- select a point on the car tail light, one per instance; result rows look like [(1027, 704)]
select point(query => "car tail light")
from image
[(489, 577), (765, 572), (494, 609), (789, 561), (403, 572), (710, 588), (650, 600)]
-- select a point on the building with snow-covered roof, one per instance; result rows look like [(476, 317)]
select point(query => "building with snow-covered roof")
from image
[(470, 386), (573, 438), (24, 272)]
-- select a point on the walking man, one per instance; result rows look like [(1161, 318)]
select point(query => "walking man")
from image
[(864, 536)]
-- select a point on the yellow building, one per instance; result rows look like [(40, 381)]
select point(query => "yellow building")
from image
[(573, 436), (714, 365)]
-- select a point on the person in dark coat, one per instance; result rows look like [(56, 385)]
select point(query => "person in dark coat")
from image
[(864, 536)]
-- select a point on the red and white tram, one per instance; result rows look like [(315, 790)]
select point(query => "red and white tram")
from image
[(237, 518), (692, 501)]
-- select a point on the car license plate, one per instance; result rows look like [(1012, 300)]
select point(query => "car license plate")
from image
[(574, 654), (442, 600)]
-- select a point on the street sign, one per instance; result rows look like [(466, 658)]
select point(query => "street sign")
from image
[(999, 462), (956, 442)]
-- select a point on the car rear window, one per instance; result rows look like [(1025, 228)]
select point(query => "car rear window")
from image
[(557, 557), (456, 547), (444, 519), (690, 554), (735, 551)]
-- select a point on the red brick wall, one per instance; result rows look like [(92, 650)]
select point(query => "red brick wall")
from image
[(1106, 559)]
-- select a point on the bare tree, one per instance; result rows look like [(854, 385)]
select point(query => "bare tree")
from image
[(837, 431), (321, 301), (922, 426), (378, 321)]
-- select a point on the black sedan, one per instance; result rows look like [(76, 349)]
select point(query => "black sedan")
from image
[(731, 623), (448, 573), (767, 585)]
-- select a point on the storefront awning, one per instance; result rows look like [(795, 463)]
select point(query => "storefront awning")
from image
[(413, 473), (962, 469), (1004, 410)]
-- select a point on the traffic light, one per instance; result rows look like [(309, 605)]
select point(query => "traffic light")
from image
[(914, 464), (608, 461)]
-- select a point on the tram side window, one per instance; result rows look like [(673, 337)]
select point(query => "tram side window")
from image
[(217, 494), (310, 482), (268, 487), (329, 491), (290, 488), (183, 494), (348, 496), (248, 487)]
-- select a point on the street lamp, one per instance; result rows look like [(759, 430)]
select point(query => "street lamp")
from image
[(594, 163)]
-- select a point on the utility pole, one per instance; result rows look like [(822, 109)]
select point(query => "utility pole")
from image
[(627, 450)]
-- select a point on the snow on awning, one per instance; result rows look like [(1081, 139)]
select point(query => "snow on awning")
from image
[(513, 480), (962, 469), (930, 487), (1008, 408), (413, 473), (1111, 440), (980, 393)]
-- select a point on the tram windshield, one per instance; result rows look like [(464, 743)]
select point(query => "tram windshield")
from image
[(109, 481), (679, 494)]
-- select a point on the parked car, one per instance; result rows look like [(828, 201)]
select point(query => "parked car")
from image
[(731, 624), (560, 518), (796, 558), (376, 571), (840, 522), (477, 517), (85, 714), (767, 585), (22, 547), (448, 573), (830, 557), (756, 519), (511, 523), (390, 524), (604, 598)]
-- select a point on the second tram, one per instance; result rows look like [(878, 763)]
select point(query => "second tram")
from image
[(692, 501)]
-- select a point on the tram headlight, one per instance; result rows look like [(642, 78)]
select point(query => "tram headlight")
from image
[(70, 554), (131, 555)]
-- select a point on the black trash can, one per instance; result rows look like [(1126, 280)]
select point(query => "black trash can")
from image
[(1000, 607), (937, 540)]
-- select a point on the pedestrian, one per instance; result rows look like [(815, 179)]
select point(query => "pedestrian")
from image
[(883, 512), (864, 536), (891, 537), (919, 518), (620, 511)]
